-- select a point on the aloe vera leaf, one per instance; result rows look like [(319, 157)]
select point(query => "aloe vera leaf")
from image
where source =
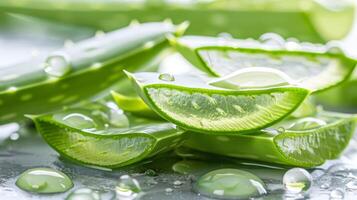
[(34, 91), (134, 105), (104, 136), (312, 66), (307, 147), (307, 20), (190, 102)]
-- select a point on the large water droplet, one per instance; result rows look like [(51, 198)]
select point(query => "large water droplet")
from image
[(128, 188), (230, 183), (307, 123), (297, 180), (44, 180), (76, 120), (337, 194), (57, 66), (272, 39), (117, 116), (84, 194), (166, 77)]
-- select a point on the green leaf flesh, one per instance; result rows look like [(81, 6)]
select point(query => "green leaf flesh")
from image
[(91, 141), (303, 148), (313, 67), (191, 103)]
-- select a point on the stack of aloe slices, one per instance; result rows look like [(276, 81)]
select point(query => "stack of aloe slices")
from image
[(259, 109)]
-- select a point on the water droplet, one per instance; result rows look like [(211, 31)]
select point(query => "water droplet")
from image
[(333, 47), (149, 45), (84, 194), (297, 180), (337, 194), (134, 23), (128, 188), (11, 89), (76, 120), (292, 45), (169, 190), (325, 186), (225, 35), (57, 66), (150, 172), (96, 65), (68, 43), (195, 105), (99, 34), (117, 116), (342, 170), (14, 136), (281, 130), (44, 180), (166, 77), (178, 183), (230, 183), (272, 39), (307, 123), (352, 185)]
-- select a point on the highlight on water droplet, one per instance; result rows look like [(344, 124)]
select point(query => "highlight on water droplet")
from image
[(166, 77), (44, 180), (272, 39), (297, 180), (230, 183), (127, 188), (337, 194), (84, 194), (76, 120), (334, 47), (307, 123), (57, 65)]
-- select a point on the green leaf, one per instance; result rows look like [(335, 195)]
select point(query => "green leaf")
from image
[(299, 142), (79, 72), (104, 136), (190, 102), (311, 66)]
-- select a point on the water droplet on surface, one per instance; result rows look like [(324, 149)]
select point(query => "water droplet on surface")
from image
[(337, 194), (281, 130), (150, 172), (166, 77), (57, 66), (76, 120), (297, 180), (272, 39), (342, 170), (292, 45), (334, 48), (169, 190), (134, 23), (99, 34), (325, 186), (14, 136), (178, 183), (117, 116), (225, 35), (352, 185), (128, 188), (44, 180), (307, 123), (230, 183), (84, 194)]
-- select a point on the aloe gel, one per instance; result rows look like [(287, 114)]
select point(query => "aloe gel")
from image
[(104, 136), (313, 66), (194, 104), (296, 142), (44, 180), (79, 72)]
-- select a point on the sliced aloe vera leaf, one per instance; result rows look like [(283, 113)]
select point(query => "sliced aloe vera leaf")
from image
[(312, 66), (299, 142), (309, 21), (190, 102), (34, 91), (104, 136), (134, 105)]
